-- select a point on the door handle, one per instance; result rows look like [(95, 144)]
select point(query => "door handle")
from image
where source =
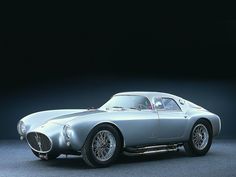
[(185, 116)]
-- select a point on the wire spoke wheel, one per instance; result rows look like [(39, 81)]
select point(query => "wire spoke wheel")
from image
[(200, 136), (103, 145)]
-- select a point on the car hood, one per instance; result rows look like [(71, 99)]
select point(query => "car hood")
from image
[(95, 114), (68, 117), (47, 119)]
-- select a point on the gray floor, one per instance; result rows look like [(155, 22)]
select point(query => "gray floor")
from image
[(17, 160)]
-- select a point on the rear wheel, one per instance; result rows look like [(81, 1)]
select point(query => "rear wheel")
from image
[(200, 138), (47, 157), (102, 146)]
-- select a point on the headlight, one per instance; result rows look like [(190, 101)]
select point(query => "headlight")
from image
[(21, 128), (67, 132)]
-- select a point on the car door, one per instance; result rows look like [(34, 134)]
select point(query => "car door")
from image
[(172, 120)]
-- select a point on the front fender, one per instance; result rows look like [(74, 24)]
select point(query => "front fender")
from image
[(82, 130), (34, 120)]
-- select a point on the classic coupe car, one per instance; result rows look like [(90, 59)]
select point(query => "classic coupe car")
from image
[(130, 122)]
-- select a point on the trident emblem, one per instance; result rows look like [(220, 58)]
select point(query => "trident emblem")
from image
[(38, 140)]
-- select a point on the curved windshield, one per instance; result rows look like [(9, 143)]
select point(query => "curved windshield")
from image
[(127, 102)]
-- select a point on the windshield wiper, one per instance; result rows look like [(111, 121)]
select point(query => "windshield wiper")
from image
[(135, 108), (118, 107), (115, 107)]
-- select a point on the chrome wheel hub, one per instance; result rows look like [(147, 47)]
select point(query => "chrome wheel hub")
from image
[(103, 145), (200, 136)]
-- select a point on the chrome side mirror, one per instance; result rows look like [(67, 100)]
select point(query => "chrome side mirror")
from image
[(159, 105)]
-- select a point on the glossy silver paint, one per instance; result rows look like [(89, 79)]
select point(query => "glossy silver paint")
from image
[(137, 127)]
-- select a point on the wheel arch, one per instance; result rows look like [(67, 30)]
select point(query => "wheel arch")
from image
[(192, 123), (205, 119), (115, 127)]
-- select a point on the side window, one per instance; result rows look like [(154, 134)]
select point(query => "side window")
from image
[(170, 104)]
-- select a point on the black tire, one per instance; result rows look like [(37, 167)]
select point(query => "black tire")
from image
[(190, 147), (49, 156), (87, 152)]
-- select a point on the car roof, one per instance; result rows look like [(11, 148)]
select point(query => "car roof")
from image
[(149, 95)]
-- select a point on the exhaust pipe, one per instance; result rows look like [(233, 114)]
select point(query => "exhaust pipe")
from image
[(132, 151), (150, 152)]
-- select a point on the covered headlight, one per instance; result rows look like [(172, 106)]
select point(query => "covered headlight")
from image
[(67, 131), (21, 128)]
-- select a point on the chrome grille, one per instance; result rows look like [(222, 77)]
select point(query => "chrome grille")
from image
[(39, 142)]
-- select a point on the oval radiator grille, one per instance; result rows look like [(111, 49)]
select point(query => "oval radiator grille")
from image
[(39, 142)]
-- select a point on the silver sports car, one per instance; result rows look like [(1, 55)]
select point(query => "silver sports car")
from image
[(130, 122)]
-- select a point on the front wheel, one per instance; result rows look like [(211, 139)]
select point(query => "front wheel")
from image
[(200, 139), (102, 146)]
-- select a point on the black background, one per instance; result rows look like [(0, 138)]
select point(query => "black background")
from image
[(190, 56)]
